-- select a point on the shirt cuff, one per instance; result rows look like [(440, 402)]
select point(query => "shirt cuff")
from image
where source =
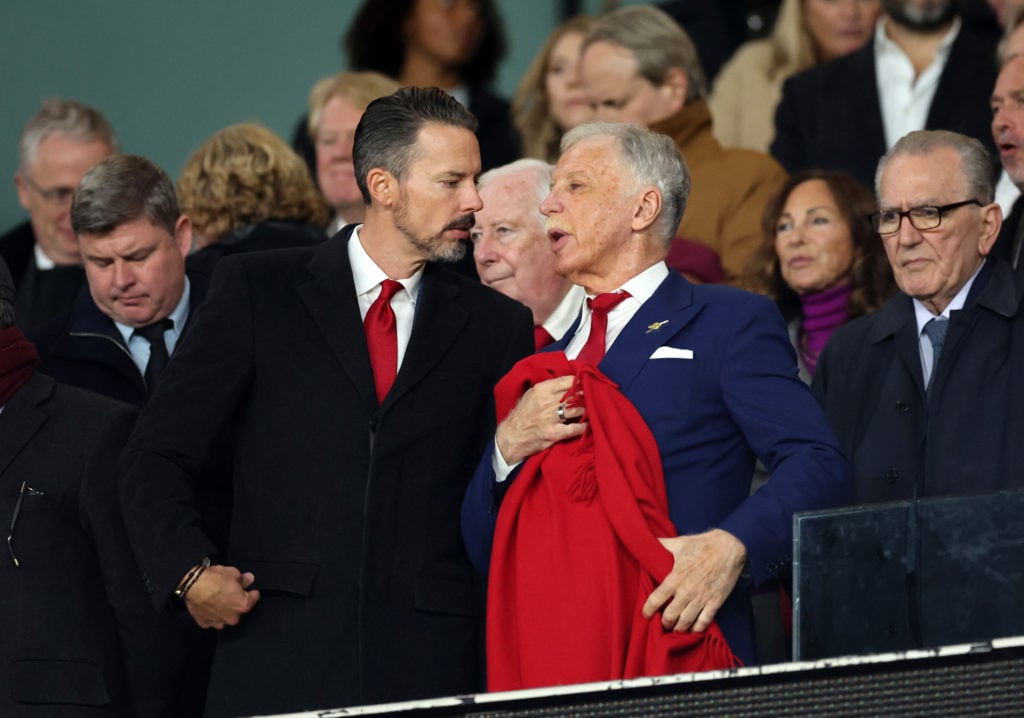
[(498, 465)]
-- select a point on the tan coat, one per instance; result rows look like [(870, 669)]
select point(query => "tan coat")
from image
[(729, 191)]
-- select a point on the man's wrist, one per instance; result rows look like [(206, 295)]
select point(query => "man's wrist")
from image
[(190, 578)]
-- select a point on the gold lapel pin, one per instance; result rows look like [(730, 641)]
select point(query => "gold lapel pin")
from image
[(655, 326)]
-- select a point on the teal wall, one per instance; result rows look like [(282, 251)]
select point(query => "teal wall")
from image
[(169, 74)]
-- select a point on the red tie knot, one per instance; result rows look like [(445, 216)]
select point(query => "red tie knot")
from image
[(606, 302), (388, 289)]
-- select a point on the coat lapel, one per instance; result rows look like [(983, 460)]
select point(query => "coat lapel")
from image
[(669, 310), (330, 298), (22, 417), (897, 324)]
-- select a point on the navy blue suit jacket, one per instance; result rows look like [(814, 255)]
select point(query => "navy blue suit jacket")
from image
[(738, 396)]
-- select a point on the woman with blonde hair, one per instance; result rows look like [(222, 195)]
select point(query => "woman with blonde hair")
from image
[(549, 100), (806, 32), (246, 189)]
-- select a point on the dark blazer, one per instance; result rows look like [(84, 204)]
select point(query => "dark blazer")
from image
[(41, 297), (76, 625), (829, 116), (966, 439), (86, 350), (737, 396), (346, 512), (254, 237)]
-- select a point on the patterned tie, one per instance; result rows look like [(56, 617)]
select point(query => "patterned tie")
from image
[(158, 356), (593, 350), (382, 338), (541, 338), (936, 331)]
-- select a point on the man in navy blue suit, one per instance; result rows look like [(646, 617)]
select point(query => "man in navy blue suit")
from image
[(709, 368)]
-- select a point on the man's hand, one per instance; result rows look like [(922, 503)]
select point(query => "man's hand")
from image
[(219, 598), (534, 425), (706, 569)]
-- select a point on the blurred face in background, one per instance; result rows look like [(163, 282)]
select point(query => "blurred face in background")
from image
[(813, 240), (447, 32), (617, 91), (45, 188), (839, 27), (568, 104), (334, 171)]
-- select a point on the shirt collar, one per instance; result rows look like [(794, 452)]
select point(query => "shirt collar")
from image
[(923, 315), (643, 285), (43, 262), (367, 276), (565, 313)]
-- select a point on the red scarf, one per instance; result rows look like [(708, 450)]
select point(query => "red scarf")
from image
[(18, 359), (576, 553)]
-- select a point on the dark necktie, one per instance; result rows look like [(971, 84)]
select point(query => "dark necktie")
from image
[(593, 350), (382, 338), (158, 356), (541, 338), (936, 331)]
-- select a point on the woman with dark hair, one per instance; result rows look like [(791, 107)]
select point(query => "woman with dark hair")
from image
[(820, 260), (452, 44)]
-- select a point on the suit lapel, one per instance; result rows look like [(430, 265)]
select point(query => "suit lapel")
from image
[(439, 320), (898, 324), (330, 298), (669, 310), (22, 418), (864, 88)]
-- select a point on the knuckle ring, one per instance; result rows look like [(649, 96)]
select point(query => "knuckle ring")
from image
[(561, 414)]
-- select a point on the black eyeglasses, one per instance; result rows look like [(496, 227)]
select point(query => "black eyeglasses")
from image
[(888, 220), (55, 195), (25, 489)]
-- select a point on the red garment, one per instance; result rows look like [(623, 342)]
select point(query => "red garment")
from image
[(576, 554), (541, 338), (18, 359), (382, 338)]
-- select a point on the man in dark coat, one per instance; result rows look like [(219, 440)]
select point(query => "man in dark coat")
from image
[(79, 638), (924, 69), (925, 395), (134, 241), (345, 580), (56, 148)]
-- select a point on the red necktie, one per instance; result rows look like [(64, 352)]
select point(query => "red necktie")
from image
[(382, 338), (541, 338), (593, 350)]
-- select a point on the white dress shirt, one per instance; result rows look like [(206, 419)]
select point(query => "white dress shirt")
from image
[(368, 276), (138, 345), (905, 97), (565, 313), (923, 315)]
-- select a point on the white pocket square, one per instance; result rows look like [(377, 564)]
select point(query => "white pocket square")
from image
[(672, 353)]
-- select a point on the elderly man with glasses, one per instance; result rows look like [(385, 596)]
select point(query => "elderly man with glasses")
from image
[(56, 148), (925, 395)]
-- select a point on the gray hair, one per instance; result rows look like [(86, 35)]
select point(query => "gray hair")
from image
[(66, 118), (121, 189), (653, 159), (975, 161), (538, 170), (657, 42)]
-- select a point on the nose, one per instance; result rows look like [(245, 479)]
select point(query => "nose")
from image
[(124, 276), (483, 249), (1001, 119), (550, 205), (471, 201)]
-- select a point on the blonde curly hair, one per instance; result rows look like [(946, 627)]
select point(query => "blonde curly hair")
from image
[(246, 174)]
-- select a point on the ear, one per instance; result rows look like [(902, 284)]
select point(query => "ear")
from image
[(647, 209), (674, 88), (183, 235), (991, 223), (23, 191), (382, 185)]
